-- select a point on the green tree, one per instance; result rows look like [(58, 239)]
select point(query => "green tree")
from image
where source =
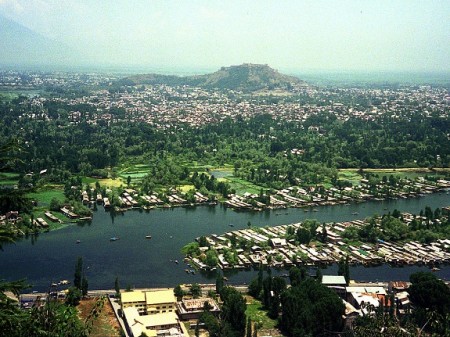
[(117, 287), (219, 282), (233, 310), (311, 308), (431, 297), (73, 296), (178, 292), (248, 328), (84, 286), (78, 276), (195, 290), (295, 276)]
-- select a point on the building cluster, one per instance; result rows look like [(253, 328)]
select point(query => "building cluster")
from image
[(164, 106), (296, 196), (13, 79), (278, 247), (363, 299), (158, 313)]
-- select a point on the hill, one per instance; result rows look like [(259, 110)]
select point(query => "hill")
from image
[(246, 77)]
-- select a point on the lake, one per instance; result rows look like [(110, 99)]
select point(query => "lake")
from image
[(141, 262)]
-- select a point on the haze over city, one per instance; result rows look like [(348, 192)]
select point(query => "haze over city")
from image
[(205, 35)]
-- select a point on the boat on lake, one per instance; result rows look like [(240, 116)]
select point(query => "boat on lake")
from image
[(78, 241), (148, 236), (114, 238)]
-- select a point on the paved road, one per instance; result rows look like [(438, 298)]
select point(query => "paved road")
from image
[(116, 306)]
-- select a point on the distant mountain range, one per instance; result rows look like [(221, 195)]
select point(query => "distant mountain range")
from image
[(246, 77), (20, 46)]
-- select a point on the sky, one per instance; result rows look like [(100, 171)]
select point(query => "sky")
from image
[(384, 35)]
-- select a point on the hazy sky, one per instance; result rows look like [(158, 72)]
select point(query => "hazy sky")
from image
[(288, 35)]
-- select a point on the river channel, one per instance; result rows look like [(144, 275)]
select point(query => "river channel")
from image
[(140, 262)]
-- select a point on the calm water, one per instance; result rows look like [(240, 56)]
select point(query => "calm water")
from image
[(140, 262)]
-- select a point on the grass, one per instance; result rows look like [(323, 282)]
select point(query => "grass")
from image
[(186, 188), (409, 173), (350, 175), (45, 196), (111, 182), (257, 314), (241, 186), (9, 178)]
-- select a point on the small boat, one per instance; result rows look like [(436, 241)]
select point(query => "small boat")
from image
[(231, 225), (148, 236), (355, 213), (114, 238), (176, 261), (64, 282), (78, 241), (435, 269)]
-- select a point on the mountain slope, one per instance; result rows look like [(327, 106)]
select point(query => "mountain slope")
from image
[(22, 46), (245, 77)]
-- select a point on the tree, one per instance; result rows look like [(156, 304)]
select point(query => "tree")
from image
[(311, 308), (73, 296), (303, 235), (117, 287), (55, 204), (295, 276), (248, 328), (211, 258), (219, 282), (178, 292), (197, 329), (196, 290), (233, 309), (84, 286), (78, 273), (432, 300)]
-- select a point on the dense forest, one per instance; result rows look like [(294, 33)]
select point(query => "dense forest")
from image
[(261, 148)]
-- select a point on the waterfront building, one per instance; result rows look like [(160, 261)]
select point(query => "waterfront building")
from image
[(150, 302), (189, 309), (158, 324)]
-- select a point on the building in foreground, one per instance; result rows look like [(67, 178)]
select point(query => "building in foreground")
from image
[(158, 324), (190, 309), (150, 302)]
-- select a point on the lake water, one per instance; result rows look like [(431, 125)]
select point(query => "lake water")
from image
[(141, 262)]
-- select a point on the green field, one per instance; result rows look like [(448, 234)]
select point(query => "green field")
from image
[(136, 172), (259, 316), (8, 178), (241, 186), (354, 177), (45, 196), (350, 175)]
